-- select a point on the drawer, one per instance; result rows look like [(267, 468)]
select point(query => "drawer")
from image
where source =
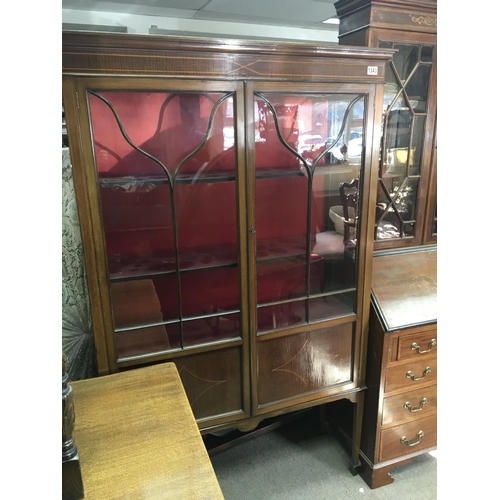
[(417, 345), (399, 376), (419, 435), (410, 405)]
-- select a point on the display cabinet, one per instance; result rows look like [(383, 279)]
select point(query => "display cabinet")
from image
[(406, 197), (208, 176)]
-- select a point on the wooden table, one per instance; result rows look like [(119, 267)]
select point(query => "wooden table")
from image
[(138, 439)]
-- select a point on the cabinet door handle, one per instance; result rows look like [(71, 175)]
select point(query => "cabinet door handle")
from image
[(412, 376), (414, 443), (416, 347), (413, 410)]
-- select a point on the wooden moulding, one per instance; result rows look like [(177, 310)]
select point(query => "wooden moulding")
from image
[(419, 16), (104, 53)]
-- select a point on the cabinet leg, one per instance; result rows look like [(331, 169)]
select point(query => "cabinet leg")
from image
[(324, 426), (356, 433)]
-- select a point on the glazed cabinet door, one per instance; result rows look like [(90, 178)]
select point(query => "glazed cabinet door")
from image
[(164, 166), (406, 197), (308, 148)]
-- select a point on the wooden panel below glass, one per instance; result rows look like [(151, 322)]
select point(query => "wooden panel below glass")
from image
[(296, 365), (212, 381)]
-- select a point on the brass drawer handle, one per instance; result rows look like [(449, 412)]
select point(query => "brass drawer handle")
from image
[(407, 443), (413, 410), (412, 376), (416, 347)]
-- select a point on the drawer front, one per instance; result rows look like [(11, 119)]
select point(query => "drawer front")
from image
[(410, 405), (417, 435), (417, 345), (424, 372), (295, 365)]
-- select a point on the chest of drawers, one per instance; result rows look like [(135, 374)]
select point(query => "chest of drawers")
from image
[(400, 414)]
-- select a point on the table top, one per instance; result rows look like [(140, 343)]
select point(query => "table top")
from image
[(404, 288), (138, 439)]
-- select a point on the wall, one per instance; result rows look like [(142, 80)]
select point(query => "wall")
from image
[(141, 24)]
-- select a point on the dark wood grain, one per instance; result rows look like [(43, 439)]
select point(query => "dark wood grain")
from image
[(415, 346), (379, 475), (405, 288), (392, 357), (191, 57), (417, 15), (370, 23), (213, 382), (430, 237), (72, 483), (389, 359), (391, 445), (394, 409), (396, 378), (376, 360), (237, 381), (299, 364)]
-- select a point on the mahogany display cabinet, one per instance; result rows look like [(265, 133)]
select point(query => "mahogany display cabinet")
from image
[(407, 186), (216, 235)]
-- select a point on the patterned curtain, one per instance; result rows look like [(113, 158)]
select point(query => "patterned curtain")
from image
[(77, 336)]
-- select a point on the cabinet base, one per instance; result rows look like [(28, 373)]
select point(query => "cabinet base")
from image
[(217, 443), (379, 475)]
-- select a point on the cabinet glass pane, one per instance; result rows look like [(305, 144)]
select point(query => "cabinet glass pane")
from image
[(396, 206), (306, 147), (405, 59), (143, 341), (167, 177), (417, 88), (405, 114)]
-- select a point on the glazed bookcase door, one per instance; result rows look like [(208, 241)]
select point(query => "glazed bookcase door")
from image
[(406, 152), (166, 170), (406, 208), (303, 146)]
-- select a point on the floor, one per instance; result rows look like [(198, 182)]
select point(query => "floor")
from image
[(299, 462)]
